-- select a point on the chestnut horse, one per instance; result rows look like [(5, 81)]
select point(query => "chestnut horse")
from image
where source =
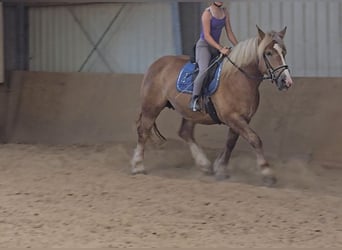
[(236, 100)]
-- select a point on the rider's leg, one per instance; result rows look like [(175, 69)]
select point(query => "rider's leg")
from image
[(203, 56)]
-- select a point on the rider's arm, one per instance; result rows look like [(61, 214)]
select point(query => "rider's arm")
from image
[(230, 34)]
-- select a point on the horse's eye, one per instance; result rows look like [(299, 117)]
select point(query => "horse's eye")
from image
[(268, 53)]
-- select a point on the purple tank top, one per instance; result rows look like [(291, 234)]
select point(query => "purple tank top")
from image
[(216, 26)]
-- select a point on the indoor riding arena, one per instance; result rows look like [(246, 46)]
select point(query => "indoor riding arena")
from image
[(70, 74)]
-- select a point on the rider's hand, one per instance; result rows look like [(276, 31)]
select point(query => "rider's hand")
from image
[(225, 51)]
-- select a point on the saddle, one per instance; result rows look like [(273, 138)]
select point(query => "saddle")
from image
[(189, 72)]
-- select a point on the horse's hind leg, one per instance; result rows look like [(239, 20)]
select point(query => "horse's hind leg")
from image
[(221, 162), (186, 132), (241, 126), (145, 123)]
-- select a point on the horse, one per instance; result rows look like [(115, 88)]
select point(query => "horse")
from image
[(236, 100)]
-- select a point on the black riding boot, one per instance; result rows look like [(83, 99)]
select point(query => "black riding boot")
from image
[(194, 103)]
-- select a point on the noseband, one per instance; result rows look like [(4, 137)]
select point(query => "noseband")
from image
[(272, 72)]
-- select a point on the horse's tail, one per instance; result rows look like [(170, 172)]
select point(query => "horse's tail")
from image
[(155, 128), (157, 132)]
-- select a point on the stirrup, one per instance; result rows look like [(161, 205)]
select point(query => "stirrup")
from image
[(194, 104)]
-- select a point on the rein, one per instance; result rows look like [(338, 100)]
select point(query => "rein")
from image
[(271, 71), (245, 73)]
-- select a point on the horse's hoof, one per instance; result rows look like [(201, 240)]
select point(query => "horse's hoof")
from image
[(143, 172), (207, 171), (138, 170), (269, 181), (222, 176)]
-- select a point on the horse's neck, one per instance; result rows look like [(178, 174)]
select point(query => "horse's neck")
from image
[(248, 81), (252, 73), (249, 95)]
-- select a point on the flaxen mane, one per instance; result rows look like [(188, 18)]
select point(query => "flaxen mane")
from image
[(246, 52)]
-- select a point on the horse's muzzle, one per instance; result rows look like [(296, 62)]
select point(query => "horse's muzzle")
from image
[(284, 82)]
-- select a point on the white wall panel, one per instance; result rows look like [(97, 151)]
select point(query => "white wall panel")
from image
[(63, 38), (56, 42), (314, 36), (310, 37), (335, 38)]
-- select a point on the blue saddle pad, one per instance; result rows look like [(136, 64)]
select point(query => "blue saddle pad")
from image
[(185, 81)]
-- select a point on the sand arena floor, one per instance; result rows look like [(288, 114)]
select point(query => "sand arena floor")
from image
[(84, 196)]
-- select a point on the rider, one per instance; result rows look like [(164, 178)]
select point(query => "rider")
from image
[(214, 18)]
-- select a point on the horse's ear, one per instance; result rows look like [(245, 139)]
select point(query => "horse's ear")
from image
[(261, 33), (282, 33)]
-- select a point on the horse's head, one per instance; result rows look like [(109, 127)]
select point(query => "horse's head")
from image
[(271, 53)]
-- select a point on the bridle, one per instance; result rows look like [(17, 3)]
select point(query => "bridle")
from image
[(272, 72)]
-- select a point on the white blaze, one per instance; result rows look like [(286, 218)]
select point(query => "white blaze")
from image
[(286, 71)]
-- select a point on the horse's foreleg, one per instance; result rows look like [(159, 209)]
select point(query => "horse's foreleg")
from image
[(241, 126), (186, 132), (221, 162), (144, 126)]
